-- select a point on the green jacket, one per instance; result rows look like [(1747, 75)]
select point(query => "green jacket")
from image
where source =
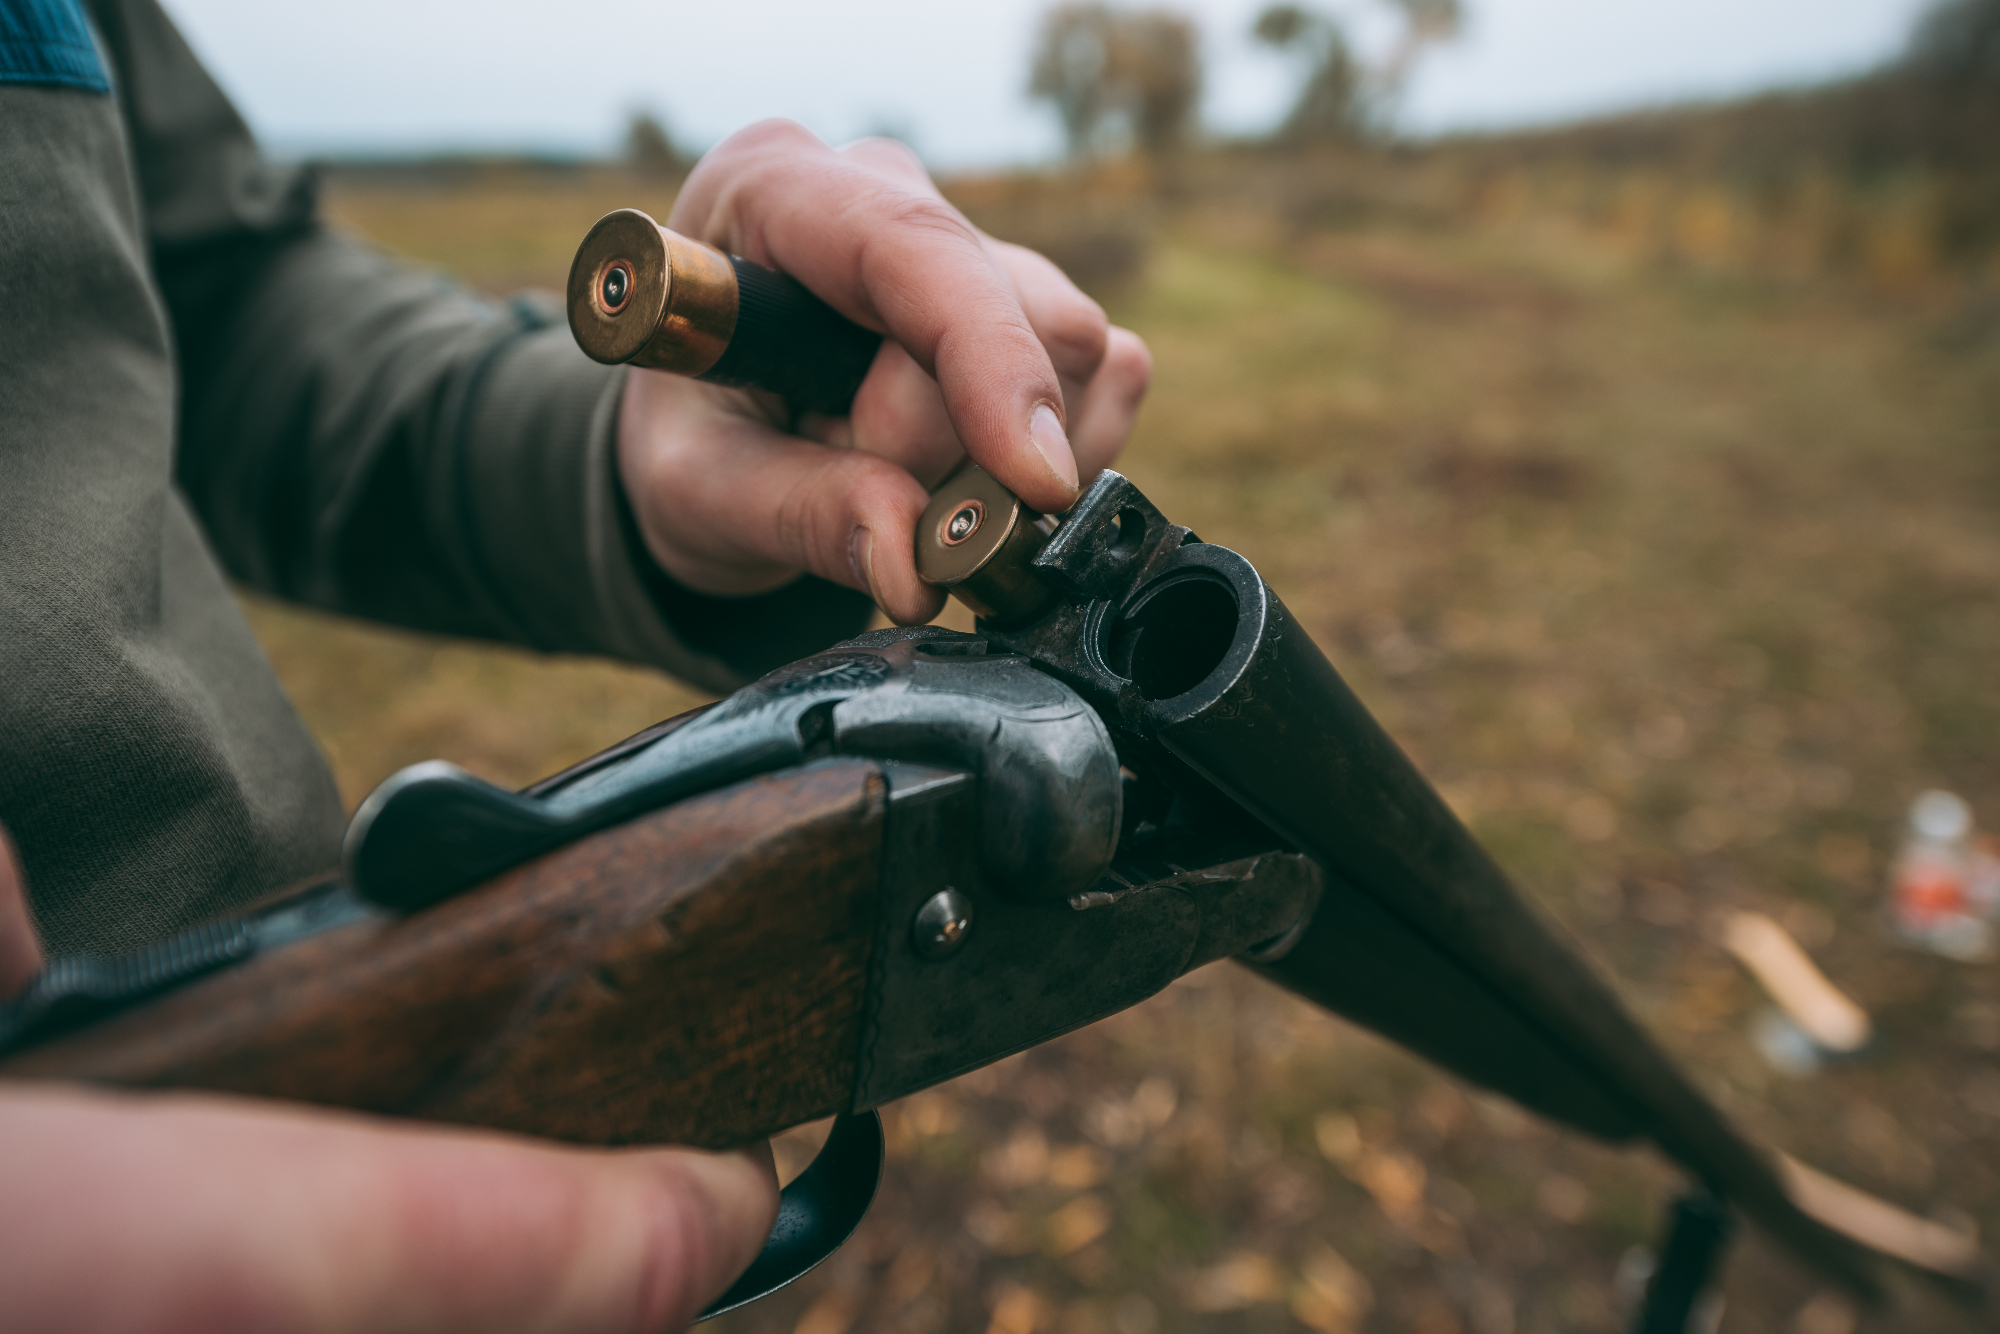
[(199, 381)]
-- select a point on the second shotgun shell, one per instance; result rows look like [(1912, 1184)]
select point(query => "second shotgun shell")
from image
[(639, 293), (977, 541)]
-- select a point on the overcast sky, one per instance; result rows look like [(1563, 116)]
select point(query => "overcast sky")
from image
[(402, 75)]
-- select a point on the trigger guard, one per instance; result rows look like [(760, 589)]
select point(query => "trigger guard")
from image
[(816, 1213)]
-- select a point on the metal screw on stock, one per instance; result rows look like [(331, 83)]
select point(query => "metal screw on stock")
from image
[(942, 924)]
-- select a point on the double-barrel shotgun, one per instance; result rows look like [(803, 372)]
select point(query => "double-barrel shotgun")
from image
[(909, 856)]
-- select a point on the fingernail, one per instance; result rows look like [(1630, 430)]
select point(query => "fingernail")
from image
[(861, 560), (1046, 432)]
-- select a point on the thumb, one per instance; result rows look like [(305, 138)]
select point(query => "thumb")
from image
[(20, 951), (231, 1214)]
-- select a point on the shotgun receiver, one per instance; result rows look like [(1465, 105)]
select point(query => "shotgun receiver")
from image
[(904, 858)]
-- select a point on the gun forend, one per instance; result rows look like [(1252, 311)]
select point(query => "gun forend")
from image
[(646, 296)]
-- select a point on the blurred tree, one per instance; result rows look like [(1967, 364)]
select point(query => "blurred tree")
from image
[(1339, 98), (1109, 72), (1072, 57), (651, 150), (1957, 44), (1425, 24), (1159, 54), (1329, 104)]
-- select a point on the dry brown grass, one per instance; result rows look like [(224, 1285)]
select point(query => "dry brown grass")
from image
[(1678, 582)]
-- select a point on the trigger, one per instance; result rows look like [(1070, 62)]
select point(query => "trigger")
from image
[(816, 1213)]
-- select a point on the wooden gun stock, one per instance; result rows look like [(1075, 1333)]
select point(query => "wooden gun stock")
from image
[(695, 976)]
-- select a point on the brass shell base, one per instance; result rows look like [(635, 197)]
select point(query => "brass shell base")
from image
[(976, 540), (678, 311)]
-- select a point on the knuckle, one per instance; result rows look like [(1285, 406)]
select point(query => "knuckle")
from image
[(1129, 362), (795, 525), (890, 154), (995, 316), (776, 132), (989, 343), (815, 514), (1075, 331), (1070, 324), (904, 212), (676, 1256)]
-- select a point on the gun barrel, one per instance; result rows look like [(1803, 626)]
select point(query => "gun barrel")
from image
[(1419, 934), (1222, 696)]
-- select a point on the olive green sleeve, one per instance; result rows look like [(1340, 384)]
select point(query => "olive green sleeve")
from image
[(152, 772), (367, 438)]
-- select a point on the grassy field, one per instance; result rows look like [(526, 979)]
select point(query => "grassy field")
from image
[(1678, 582)]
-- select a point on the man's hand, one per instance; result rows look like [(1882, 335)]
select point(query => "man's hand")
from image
[(133, 1212), (990, 352)]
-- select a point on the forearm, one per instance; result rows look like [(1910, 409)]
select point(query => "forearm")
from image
[(364, 437), (359, 436)]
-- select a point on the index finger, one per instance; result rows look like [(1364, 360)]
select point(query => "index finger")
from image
[(903, 261), (231, 1214)]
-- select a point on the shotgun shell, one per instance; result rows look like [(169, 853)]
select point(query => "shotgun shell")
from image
[(639, 293), (978, 541)]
